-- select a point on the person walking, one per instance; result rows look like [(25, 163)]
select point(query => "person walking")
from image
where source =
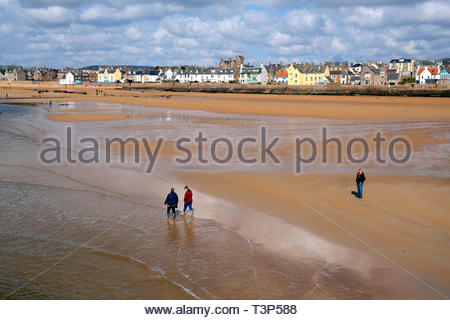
[(187, 200), (171, 202), (360, 178)]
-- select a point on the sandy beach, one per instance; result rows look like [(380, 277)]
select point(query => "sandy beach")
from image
[(331, 107), (405, 218), (401, 225)]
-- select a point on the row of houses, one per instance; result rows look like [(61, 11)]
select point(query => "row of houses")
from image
[(235, 70), (370, 73), (367, 73), (247, 74), (13, 74)]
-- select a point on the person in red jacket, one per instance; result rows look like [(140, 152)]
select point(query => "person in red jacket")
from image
[(187, 200)]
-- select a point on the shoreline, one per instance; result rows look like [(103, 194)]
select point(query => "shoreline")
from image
[(269, 205), (292, 242), (415, 90), (324, 205), (332, 89), (325, 107)]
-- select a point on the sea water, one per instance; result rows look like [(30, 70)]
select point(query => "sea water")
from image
[(64, 239)]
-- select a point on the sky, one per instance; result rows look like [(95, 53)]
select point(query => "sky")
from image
[(172, 32)]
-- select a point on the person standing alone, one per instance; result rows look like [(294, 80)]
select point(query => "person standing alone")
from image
[(360, 178), (187, 200), (171, 202)]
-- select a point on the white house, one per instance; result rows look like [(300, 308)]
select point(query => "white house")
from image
[(216, 75), (68, 79), (134, 76), (195, 75), (221, 75), (152, 76), (281, 77), (138, 76), (169, 75), (251, 74), (206, 75), (339, 76), (180, 75), (427, 75)]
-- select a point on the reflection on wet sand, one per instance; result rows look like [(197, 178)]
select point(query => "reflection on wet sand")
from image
[(189, 229), (245, 249), (172, 233)]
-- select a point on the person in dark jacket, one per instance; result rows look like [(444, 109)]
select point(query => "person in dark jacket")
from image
[(360, 178), (171, 202), (187, 200)]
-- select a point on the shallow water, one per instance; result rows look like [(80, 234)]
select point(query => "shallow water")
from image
[(93, 246), (65, 238), (171, 125)]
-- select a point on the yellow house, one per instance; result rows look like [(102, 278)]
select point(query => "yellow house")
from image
[(308, 74), (110, 76)]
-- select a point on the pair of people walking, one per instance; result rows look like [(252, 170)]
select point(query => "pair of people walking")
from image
[(172, 201)]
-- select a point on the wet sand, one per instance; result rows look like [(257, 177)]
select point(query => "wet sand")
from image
[(285, 216), (404, 218), (330, 107), (85, 117)]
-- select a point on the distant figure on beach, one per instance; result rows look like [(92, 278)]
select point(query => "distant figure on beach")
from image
[(187, 200), (360, 178), (171, 202)]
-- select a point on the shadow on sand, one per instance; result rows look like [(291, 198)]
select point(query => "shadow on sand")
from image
[(355, 193)]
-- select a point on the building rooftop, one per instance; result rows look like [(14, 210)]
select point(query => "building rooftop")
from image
[(310, 68), (401, 60)]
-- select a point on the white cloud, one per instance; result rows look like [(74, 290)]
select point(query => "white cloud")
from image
[(186, 42), (102, 14), (4, 28), (134, 33), (300, 19), (278, 38), (338, 46), (133, 49), (435, 11), (54, 15), (366, 17), (96, 12), (39, 46), (161, 34), (255, 17), (201, 31)]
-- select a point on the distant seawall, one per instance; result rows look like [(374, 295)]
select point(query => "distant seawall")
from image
[(346, 90), (413, 90)]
